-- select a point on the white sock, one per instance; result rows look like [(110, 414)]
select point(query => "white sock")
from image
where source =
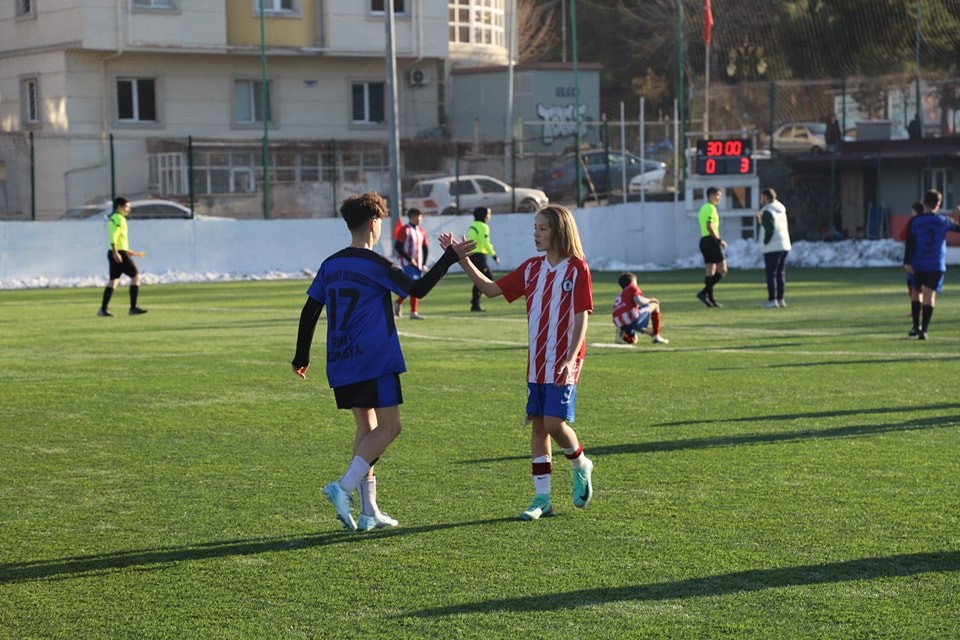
[(541, 483), (357, 469), (368, 495)]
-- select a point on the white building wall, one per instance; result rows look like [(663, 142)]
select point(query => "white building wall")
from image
[(349, 28), (196, 24)]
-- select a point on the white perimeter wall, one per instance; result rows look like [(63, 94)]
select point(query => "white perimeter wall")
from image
[(34, 252)]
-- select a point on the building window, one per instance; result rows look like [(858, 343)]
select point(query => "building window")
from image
[(379, 6), (477, 22), (136, 100), (275, 6), (368, 102), (248, 102), (30, 100), (26, 8), (155, 4)]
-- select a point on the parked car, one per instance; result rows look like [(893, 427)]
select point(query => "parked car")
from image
[(559, 180), (440, 195), (139, 210), (650, 181), (800, 137)]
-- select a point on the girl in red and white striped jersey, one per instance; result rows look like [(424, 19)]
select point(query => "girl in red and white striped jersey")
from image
[(559, 297)]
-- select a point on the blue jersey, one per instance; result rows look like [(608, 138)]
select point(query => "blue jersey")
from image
[(362, 343), (926, 242)]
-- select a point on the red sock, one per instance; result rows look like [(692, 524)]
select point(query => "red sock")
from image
[(575, 454), (655, 317)]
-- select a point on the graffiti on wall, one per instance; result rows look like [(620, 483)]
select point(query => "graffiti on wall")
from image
[(558, 121)]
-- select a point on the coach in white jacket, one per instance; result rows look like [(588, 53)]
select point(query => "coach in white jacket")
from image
[(775, 244)]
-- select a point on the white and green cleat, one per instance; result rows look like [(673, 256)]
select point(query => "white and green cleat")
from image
[(583, 483), (539, 508)]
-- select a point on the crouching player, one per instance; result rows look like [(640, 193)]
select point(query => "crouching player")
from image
[(632, 312)]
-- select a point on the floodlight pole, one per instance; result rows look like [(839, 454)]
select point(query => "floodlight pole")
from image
[(265, 112), (576, 97), (681, 113), (917, 48), (396, 208)]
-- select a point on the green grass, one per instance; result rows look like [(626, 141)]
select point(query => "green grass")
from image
[(787, 473)]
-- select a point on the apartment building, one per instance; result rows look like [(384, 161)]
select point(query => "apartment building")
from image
[(178, 98)]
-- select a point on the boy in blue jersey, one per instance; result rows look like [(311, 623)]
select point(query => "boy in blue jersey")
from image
[(925, 258), (364, 361)]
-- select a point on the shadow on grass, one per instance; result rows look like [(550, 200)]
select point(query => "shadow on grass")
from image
[(717, 349), (763, 438), (139, 559), (906, 359), (815, 415), (897, 566)]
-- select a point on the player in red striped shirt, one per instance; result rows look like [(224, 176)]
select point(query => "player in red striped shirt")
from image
[(411, 248), (559, 296), (632, 312)]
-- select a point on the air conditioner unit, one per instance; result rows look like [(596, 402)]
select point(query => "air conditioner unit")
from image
[(418, 77)]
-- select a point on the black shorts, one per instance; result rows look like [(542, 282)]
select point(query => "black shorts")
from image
[(126, 266), (479, 260), (711, 250), (370, 394), (929, 279)]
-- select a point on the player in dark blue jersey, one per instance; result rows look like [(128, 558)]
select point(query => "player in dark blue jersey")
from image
[(925, 258), (364, 361)]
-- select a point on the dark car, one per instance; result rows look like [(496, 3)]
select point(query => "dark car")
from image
[(602, 169)]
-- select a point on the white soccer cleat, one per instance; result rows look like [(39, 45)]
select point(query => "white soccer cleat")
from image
[(340, 500), (659, 339), (379, 520)]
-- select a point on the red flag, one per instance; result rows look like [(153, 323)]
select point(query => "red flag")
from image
[(707, 24)]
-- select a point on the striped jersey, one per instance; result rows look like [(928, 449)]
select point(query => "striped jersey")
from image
[(554, 295), (413, 240), (626, 308)]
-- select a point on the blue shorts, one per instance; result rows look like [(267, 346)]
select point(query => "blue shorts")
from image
[(551, 400), (412, 271), (640, 323)]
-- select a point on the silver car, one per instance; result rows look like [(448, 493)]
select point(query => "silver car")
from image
[(800, 137), (139, 210), (452, 195)]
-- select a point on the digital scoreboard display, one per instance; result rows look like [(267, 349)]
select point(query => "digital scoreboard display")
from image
[(724, 157)]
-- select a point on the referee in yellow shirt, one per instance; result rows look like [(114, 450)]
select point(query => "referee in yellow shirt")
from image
[(711, 247), (479, 232), (120, 259)]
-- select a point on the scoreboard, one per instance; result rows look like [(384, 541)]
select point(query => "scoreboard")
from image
[(724, 158)]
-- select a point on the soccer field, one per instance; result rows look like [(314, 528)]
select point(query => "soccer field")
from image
[(771, 473)]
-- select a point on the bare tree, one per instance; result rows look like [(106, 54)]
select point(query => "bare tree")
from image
[(538, 29)]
